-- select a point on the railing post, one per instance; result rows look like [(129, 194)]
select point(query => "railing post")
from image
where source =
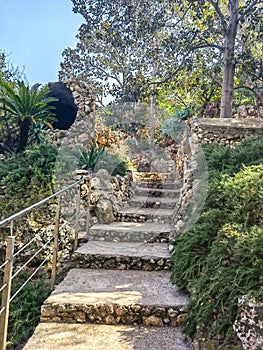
[(7, 290), (88, 209), (75, 246), (55, 248)]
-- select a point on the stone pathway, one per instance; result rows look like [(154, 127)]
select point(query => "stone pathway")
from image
[(118, 294)]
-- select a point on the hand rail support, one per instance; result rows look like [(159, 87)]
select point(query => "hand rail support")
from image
[(7, 290), (55, 247)]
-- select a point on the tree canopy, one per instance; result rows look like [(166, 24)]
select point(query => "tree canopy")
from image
[(186, 51)]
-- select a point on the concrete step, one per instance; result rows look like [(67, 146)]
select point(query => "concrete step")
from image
[(157, 192), (116, 297), (129, 232), (152, 202), (122, 256), (61, 336), (138, 214)]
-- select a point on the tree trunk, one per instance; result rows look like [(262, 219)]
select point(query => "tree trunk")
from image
[(228, 61), (23, 135)]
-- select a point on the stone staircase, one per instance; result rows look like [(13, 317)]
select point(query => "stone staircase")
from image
[(153, 202), (118, 293)]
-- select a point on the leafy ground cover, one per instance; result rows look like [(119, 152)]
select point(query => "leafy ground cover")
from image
[(220, 258)]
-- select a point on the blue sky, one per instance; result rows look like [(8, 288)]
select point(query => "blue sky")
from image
[(35, 32)]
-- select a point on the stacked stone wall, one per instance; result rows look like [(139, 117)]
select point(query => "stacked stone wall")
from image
[(82, 133), (224, 131), (248, 112)]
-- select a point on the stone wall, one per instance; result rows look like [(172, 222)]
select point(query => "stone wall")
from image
[(107, 194), (251, 112), (224, 131), (112, 314), (82, 132), (249, 323), (192, 170)]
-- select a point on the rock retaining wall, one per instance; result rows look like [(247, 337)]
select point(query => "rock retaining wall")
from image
[(193, 171), (224, 131), (112, 314), (250, 112), (82, 132), (120, 262), (103, 195), (249, 323)]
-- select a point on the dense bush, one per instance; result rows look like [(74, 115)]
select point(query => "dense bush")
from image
[(192, 248), (220, 259), (232, 268), (113, 163), (25, 310), (239, 197), (224, 160), (27, 177)]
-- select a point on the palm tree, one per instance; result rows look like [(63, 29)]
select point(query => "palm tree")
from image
[(25, 105)]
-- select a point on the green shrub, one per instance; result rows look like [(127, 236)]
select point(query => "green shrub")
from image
[(249, 152), (27, 177), (219, 259), (224, 160), (191, 248), (217, 159), (174, 127), (25, 310), (233, 268), (239, 197), (112, 163), (37, 133)]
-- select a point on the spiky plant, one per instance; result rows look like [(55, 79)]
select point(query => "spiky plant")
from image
[(24, 105), (89, 158)]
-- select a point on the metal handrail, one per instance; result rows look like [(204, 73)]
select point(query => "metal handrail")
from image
[(8, 264), (43, 201)]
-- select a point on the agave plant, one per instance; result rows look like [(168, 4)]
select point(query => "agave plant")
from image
[(89, 158), (175, 126), (37, 133)]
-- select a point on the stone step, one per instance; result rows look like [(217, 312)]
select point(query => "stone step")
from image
[(129, 232), (138, 214), (153, 177), (152, 202), (122, 256), (157, 192), (176, 185), (116, 297), (61, 336)]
